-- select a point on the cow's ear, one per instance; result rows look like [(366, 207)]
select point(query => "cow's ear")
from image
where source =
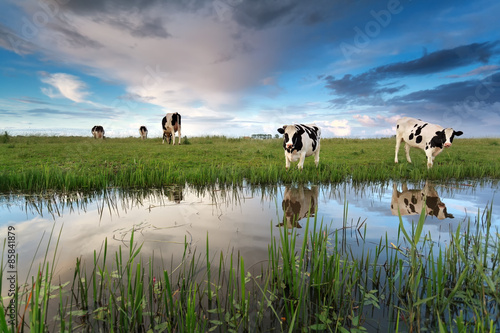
[(281, 130), (458, 133)]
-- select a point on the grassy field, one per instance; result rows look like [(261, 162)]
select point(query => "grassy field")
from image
[(37, 163)]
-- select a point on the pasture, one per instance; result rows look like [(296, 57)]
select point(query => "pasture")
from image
[(38, 163)]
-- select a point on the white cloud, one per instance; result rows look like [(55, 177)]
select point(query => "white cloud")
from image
[(202, 61), (365, 120), (338, 127), (66, 85)]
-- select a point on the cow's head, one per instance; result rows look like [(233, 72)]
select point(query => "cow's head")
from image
[(444, 138), (437, 208), (167, 136), (292, 138)]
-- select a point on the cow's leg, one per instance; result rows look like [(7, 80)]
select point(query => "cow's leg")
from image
[(398, 143), (394, 198), (407, 150), (287, 162), (301, 161), (179, 135), (430, 158), (316, 157)]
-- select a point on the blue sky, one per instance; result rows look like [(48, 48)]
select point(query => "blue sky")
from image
[(240, 67)]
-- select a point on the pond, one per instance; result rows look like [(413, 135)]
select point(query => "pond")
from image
[(237, 219)]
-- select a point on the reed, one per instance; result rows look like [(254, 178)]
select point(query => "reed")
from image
[(317, 283)]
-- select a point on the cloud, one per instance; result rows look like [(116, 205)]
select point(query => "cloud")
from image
[(365, 120), (486, 90), (338, 127), (378, 121), (10, 40), (66, 85), (372, 85), (442, 60), (483, 70)]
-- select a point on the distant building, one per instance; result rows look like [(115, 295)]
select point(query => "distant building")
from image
[(262, 136)]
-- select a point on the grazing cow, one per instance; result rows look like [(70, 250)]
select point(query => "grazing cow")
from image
[(143, 132), (426, 136), (298, 203), (98, 132), (411, 202), (299, 142), (171, 123)]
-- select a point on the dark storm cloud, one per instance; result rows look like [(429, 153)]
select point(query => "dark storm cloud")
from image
[(91, 7), (485, 91), (370, 82), (265, 13), (152, 28), (149, 27), (443, 60)]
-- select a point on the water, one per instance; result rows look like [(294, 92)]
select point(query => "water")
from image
[(236, 219)]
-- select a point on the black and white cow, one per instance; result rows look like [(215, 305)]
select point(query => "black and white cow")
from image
[(98, 132), (171, 123), (300, 141), (143, 132), (429, 137), (411, 202), (298, 203)]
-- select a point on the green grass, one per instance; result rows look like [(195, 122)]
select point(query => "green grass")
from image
[(316, 284), (35, 163)]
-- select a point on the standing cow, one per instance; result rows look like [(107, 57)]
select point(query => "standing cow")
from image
[(98, 132), (298, 203), (171, 123), (300, 141), (426, 136), (143, 132), (411, 202)]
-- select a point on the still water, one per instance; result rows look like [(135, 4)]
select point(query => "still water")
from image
[(236, 219)]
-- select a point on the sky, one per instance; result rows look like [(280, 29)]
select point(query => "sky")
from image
[(243, 67)]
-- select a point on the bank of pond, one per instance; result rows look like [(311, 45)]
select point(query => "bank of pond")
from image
[(370, 257)]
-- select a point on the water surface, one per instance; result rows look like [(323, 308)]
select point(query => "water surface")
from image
[(235, 219)]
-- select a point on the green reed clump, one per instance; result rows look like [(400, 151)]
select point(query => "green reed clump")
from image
[(5, 137), (316, 282)]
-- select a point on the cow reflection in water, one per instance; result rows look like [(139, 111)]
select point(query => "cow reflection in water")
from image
[(410, 202), (298, 203), (174, 193)]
